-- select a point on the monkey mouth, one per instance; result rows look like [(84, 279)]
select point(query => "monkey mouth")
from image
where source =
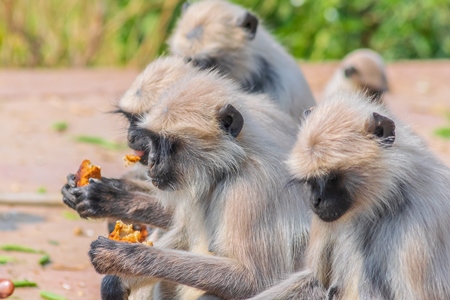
[(330, 211), (139, 153), (328, 216)]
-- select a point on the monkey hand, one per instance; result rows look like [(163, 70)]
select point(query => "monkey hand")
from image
[(115, 258), (95, 200)]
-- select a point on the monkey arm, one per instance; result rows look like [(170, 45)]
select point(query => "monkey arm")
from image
[(113, 285), (302, 286), (106, 198), (217, 275)]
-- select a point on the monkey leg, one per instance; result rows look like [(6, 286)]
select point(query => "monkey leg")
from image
[(299, 286), (112, 288)]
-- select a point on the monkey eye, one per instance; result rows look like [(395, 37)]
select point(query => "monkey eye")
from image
[(332, 178)]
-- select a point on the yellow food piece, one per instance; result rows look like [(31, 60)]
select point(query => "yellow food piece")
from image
[(131, 159), (85, 171), (125, 233)]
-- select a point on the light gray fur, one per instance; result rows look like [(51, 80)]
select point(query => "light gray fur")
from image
[(238, 233), (395, 242), (258, 64)]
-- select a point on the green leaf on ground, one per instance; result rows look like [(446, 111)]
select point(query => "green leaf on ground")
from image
[(70, 215), (110, 145), (5, 259), (44, 260), (24, 283), (443, 132), (19, 248), (42, 190), (53, 242), (60, 126), (51, 296)]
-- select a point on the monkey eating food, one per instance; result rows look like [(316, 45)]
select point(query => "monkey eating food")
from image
[(216, 157), (126, 233), (131, 159)]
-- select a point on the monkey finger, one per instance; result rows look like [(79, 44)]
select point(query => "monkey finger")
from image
[(76, 191), (103, 254), (84, 210), (69, 203), (65, 191), (72, 180), (94, 180)]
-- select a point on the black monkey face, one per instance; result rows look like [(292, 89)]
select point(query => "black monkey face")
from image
[(329, 200), (186, 156), (161, 159), (136, 141)]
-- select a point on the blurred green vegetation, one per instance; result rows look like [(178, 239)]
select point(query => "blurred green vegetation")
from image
[(132, 32)]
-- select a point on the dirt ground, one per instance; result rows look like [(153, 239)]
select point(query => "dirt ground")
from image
[(35, 158)]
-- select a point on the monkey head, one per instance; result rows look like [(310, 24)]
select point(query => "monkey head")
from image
[(343, 153), (214, 34), (143, 94), (365, 71), (193, 132)]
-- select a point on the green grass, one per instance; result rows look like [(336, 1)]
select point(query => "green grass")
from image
[(53, 33)]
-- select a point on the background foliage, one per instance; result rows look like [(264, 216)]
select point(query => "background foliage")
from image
[(132, 32)]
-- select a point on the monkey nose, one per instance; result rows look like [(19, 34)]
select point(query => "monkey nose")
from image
[(316, 202)]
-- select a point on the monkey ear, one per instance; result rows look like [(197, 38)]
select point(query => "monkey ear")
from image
[(250, 24), (383, 128), (185, 6), (231, 120), (350, 71), (307, 112)]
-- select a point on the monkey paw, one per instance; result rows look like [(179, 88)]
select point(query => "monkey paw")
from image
[(106, 255), (120, 258), (68, 197), (95, 200)]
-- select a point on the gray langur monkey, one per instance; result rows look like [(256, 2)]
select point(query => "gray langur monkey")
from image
[(381, 203), (224, 36), (216, 157), (362, 70), (129, 198)]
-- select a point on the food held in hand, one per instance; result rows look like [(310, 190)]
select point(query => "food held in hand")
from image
[(87, 170), (125, 233), (131, 159)]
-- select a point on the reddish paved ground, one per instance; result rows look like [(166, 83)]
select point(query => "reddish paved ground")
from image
[(33, 155)]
